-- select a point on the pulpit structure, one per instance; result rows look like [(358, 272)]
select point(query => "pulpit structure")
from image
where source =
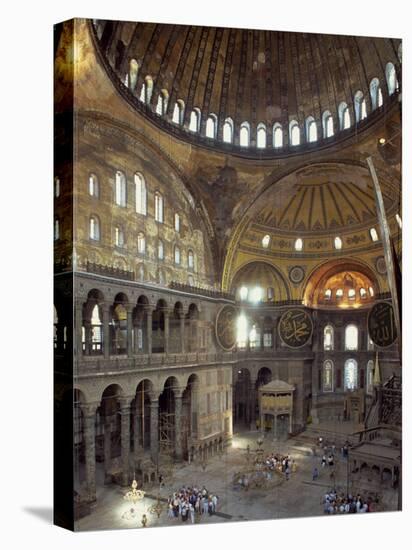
[(276, 408)]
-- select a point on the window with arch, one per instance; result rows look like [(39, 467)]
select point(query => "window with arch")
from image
[(344, 116), (398, 221), (244, 136), (243, 293), (374, 234), (360, 106), (376, 93), (120, 189), (337, 243), (299, 245), (294, 133), (327, 376), (242, 331), (328, 294), (391, 79), (178, 112), (371, 292), (177, 222), (371, 345), (56, 187), (339, 293), (96, 328), (177, 255), (328, 337), (160, 250), (162, 100), (254, 337), (159, 207), (133, 72), (141, 243), (118, 236), (351, 375), (147, 90), (270, 293), (211, 126), (277, 135), (94, 228), (369, 377), (266, 241), (56, 229), (141, 194), (311, 130), (93, 185), (351, 337), (190, 260), (327, 123), (228, 130), (351, 294), (362, 293), (194, 123), (261, 136)]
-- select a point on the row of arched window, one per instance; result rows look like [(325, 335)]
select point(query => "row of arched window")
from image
[(351, 381), (351, 342), (350, 293), (245, 134)]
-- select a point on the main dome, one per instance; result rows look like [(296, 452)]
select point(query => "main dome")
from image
[(249, 89)]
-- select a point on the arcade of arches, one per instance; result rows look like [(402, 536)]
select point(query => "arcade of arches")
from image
[(181, 216)]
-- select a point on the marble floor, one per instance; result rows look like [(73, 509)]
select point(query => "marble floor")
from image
[(297, 497)]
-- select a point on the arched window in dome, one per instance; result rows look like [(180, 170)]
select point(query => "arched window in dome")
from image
[(266, 241), (270, 294), (141, 243), (118, 236), (339, 293), (337, 243), (194, 124), (159, 207), (177, 222), (327, 124), (141, 194), (56, 229), (261, 136), (371, 292), (391, 79), (351, 294), (277, 135), (374, 234), (160, 250), (93, 185), (398, 221), (94, 228), (211, 126), (177, 255), (376, 93), (133, 72), (351, 337), (362, 293), (299, 245), (244, 136), (328, 337), (120, 188), (56, 187), (243, 293), (311, 130), (344, 116), (228, 130), (360, 106), (178, 112), (255, 294), (351, 375), (327, 376), (294, 133), (162, 100), (328, 294), (190, 260)]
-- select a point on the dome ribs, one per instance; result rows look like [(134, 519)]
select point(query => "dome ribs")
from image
[(226, 79), (184, 54), (196, 71), (213, 61)]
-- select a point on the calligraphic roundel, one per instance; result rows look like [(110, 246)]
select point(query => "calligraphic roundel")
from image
[(295, 328), (381, 325), (226, 327)]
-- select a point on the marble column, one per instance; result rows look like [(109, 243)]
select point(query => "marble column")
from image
[(178, 426), (89, 418), (182, 333), (107, 443), (129, 332), (154, 429), (125, 442), (106, 331), (166, 333), (149, 331)]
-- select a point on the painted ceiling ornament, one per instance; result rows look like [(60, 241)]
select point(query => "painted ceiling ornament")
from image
[(296, 274), (380, 265), (295, 328), (381, 325), (226, 327)]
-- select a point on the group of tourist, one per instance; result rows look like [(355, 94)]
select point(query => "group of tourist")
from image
[(188, 502), (342, 504), (282, 463)]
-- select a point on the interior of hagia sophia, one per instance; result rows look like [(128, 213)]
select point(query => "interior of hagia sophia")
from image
[(219, 249)]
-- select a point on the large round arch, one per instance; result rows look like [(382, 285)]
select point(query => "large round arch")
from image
[(264, 275)]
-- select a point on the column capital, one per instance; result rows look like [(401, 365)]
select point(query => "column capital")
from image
[(154, 397), (125, 403)]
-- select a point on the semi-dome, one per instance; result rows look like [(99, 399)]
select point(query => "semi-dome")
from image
[(259, 92)]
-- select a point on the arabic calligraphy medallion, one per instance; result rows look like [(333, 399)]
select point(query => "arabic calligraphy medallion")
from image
[(295, 328), (381, 325), (226, 327)]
